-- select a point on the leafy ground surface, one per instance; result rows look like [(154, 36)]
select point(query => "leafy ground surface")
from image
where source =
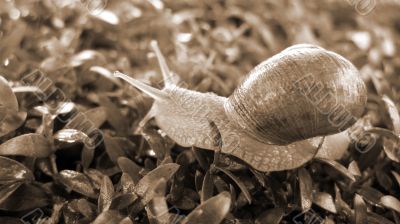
[(140, 176)]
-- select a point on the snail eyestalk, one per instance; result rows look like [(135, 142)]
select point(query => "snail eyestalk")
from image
[(154, 93), (166, 73)]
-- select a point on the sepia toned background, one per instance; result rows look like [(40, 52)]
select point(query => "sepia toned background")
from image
[(72, 152)]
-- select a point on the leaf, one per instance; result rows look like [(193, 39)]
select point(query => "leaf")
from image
[(11, 122), (391, 148), (8, 189), (84, 56), (306, 189), (130, 167), (113, 149), (7, 97), (360, 210), (126, 220), (157, 190), (397, 177), (109, 217), (271, 216), (338, 167), (393, 114), (26, 197), (87, 156), (370, 194), (374, 218), (127, 183), (85, 208), (95, 176), (207, 188), (55, 214), (106, 194), (186, 201), (71, 136), (97, 116), (10, 220), (391, 202), (157, 208), (383, 179), (342, 206), (61, 108), (158, 211), (122, 201), (200, 157), (106, 16), (238, 182), (31, 145), (211, 211), (325, 201), (164, 171), (114, 116), (77, 182), (11, 41), (159, 144), (354, 169), (11, 170)]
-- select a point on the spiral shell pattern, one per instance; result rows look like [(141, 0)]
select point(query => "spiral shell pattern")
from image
[(302, 92)]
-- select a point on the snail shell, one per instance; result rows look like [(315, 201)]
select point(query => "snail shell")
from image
[(302, 92)]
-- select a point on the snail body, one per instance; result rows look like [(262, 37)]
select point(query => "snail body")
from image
[(269, 121)]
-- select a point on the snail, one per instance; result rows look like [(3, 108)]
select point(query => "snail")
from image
[(276, 119)]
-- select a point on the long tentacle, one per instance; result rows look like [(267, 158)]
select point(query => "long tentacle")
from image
[(168, 77), (149, 90)]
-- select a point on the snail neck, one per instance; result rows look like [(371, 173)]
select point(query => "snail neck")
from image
[(187, 116)]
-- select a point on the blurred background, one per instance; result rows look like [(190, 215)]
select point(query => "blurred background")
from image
[(212, 45)]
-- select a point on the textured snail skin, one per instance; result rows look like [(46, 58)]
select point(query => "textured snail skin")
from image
[(302, 92), (269, 121), (189, 127)]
